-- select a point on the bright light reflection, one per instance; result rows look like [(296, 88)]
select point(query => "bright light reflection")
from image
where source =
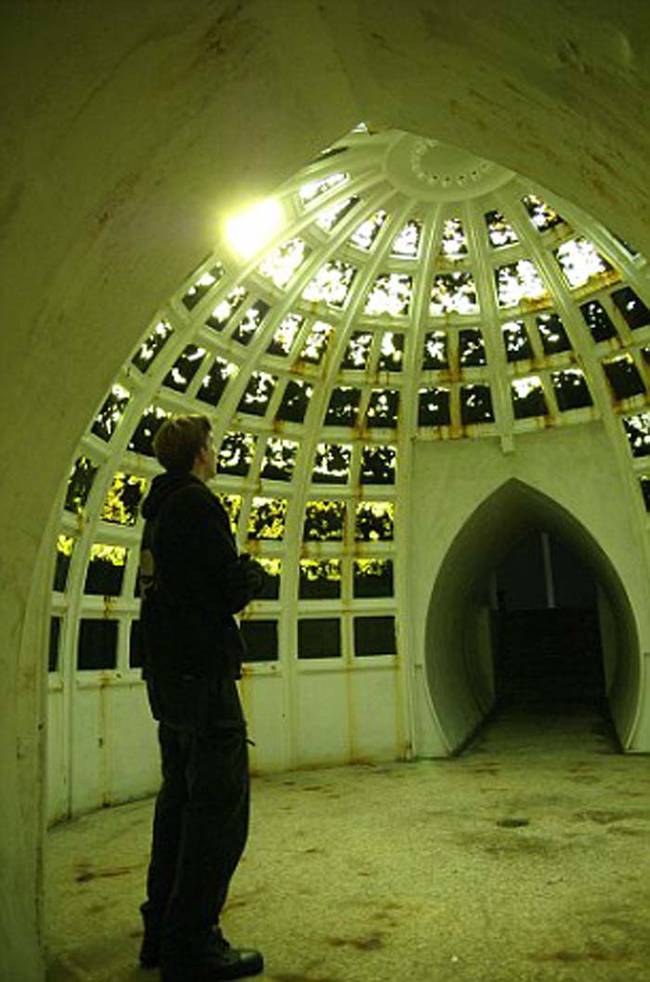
[(252, 229)]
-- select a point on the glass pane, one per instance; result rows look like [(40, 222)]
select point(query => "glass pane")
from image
[(273, 570), (257, 395), (637, 430), (122, 503), (500, 232), (279, 459), (358, 350), (331, 284), (105, 570), (516, 342), (224, 310), (378, 465), (184, 368), (79, 484), (319, 637), (406, 243), (390, 294), (435, 351), (471, 349), (135, 645), (280, 265), (152, 346), (214, 383), (598, 321), (111, 412), (141, 441), (375, 521), (53, 648), (320, 579), (391, 354), (236, 453), (64, 547), (571, 390), (528, 397), (364, 237), (433, 407), (542, 215), (551, 331), (203, 285), (295, 401), (373, 578), (383, 408), (343, 407), (634, 310), (250, 322), (331, 464), (97, 647), (476, 404), (623, 377), (453, 246), (285, 335), (374, 636), (267, 518), (453, 293), (261, 640), (324, 521)]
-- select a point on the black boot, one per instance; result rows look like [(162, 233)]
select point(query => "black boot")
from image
[(217, 961)]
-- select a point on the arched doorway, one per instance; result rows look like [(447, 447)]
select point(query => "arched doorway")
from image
[(468, 667), (548, 653)]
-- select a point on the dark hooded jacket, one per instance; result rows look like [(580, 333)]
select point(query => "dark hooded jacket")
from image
[(192, 582)]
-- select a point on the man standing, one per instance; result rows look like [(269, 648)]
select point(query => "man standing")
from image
[(192, 582)]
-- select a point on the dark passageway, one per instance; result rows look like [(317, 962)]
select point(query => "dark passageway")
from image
[(549, 673)]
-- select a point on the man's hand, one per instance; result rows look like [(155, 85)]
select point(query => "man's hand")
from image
[(254, 575)]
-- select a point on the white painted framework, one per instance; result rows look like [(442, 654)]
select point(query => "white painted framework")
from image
[(331, 710)]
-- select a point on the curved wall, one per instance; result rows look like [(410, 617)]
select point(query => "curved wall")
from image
[(465, 511), (130, 127), (458, 644)]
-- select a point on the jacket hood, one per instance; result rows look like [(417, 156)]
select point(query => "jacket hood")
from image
[(162, 486)]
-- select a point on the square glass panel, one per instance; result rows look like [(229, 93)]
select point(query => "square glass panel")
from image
[(214, 383), (152, 345), (378, 465), (373, 578), (319, 637), (331, 464), (97, 645), (236, 454), (295, 401), (105, 572), (203, 285), (375, 521), (267, 518), (324, 521), (374, 636), (261, 640), (476, 404), (320, 579)]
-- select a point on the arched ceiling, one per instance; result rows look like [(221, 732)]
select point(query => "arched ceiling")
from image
[(412, 291)]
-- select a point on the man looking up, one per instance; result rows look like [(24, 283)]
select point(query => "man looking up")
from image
[(192, 582)]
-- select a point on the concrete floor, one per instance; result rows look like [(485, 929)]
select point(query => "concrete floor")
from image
[(525, 859)]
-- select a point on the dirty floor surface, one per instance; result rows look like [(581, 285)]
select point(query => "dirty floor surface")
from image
[(527, 858)]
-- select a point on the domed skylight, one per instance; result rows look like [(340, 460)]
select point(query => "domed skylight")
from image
[(412, 292)]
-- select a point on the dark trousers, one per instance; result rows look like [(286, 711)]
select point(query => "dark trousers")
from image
[(201, 816)]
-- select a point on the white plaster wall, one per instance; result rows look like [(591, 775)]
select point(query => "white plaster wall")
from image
[(298, 715), (128, 127), (573, 467)]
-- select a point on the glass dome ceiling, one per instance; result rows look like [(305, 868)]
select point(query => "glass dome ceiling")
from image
[(413, 292)]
